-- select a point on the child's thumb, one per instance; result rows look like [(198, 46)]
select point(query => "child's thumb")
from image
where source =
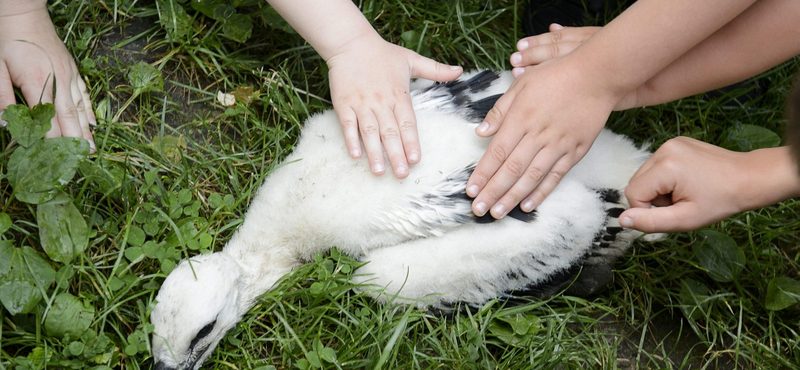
[(432, 70)]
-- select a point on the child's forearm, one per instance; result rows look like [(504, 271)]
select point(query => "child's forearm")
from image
[(328, 25), (769, 176), (15, 7), (763, 36), (647, 37)]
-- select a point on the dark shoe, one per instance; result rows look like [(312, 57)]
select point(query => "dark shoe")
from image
[(539, 14)]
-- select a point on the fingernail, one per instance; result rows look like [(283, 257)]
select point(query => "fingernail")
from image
[(472, 191), (3, 123), (355, 153), (522, 45), (377, 168), (483, 127), (455, 68), (92, 122), (558, 26), (499, 210), (413, 157), (527, 206), (92, 147), (400, 171), (626, 222), (516, 72), (481, 207), (516, 58)]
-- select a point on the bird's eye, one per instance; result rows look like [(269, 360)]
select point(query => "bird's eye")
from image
[(205, 330), (203, 333)]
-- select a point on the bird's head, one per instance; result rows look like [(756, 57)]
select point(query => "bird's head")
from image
[(197, 304)]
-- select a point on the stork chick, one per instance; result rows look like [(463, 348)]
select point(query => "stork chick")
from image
[(418, 235)]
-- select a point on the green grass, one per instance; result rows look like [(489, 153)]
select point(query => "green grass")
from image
[(177, 161)]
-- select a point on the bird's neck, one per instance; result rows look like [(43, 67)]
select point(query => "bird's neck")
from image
[(263, 262)]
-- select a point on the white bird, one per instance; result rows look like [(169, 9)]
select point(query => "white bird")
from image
[(418, 234)]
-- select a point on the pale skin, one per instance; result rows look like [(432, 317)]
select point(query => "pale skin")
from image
[(34, 63), (690, 183), (552, 113), (369, 80)]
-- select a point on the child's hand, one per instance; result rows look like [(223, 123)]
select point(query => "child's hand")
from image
[(558, 42), (369, 81), (31, 65), (694, 184), (544, 124)]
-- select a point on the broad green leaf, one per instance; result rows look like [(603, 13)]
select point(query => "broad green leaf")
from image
[(274, 20), (238, 28), (136, 236), (151, 248), (19, 296), (64, 275), (28, 125), (782, 292), (207, 7), (744, 138), (6, 251), (24, 274), (62, 230), (167, 266), (174, 19), (115, 283), (37, 268), (76, 348), (328, 355), (719, 254), (133, 254), (313, 359), (68, 315), (515, 330), (223, 12), (5, 222), (38, 172), (38, 357), (241, 3), (693, 296), (145, 78)]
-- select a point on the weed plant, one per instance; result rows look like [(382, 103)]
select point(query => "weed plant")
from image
[(82, 259)]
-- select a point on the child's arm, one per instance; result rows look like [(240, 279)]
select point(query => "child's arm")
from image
[(32, 57), (552, 114), (369, 79), (694, 184), (761, 37)]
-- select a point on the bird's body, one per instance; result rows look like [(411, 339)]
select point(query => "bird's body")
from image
[(417, 233)]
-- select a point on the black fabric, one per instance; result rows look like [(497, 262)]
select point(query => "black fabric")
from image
[(539, 14)]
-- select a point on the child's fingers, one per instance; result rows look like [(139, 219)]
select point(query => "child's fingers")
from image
[(522, 180), (6, 92), (546, 186), (422, 67), (674, 218), (649, 185), (407, 123), (542, 53), (349, 123), (564, 35), (392, 142), (494, 118), (371, 137)]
